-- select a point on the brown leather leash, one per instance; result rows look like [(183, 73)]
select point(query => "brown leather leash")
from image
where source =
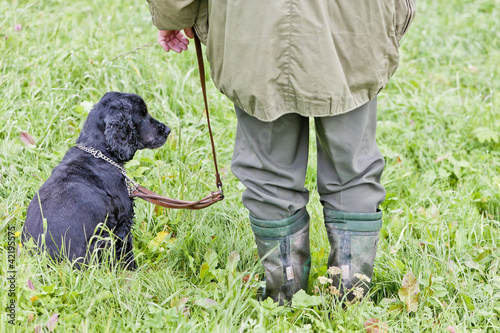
[(145, 194)]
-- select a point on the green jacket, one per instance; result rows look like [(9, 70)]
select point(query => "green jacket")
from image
[(312, 57)]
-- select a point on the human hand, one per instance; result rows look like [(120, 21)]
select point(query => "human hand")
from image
[(174, 39)]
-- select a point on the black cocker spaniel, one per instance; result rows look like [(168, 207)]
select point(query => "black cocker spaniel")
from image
[(90, 187)]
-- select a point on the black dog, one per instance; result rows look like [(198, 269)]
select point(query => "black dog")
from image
[(84, 190)]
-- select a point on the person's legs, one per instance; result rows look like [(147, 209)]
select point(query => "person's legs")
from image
[(350, 166), (270, 159)]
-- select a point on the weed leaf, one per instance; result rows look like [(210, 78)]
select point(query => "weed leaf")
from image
[(206, 303), (473, 265), (99, 297), (204, 270), (211, 258), (48, 289), (468, 301), (232, 261), (485, 134), (483, 255), (409, 292), (374, 325), (178, 303), (303, 300)]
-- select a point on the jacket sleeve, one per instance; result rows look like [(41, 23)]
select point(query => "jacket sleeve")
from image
[(173, 14)]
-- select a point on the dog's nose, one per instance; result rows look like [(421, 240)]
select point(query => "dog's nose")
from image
[(167, 130)]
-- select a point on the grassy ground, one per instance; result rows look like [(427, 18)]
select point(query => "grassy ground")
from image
[(438, 130)]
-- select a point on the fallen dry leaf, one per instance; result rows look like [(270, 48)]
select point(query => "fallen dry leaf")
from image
[(473, 69), (52, 322), (31, 285), (441, 158), (27, 139)]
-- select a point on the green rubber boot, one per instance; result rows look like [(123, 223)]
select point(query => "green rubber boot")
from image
[(353, 239), (283, 248)]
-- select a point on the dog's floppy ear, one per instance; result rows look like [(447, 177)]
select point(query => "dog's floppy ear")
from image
[(121, 135)]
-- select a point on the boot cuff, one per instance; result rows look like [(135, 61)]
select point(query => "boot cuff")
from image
[(353, 221), (280, 228)]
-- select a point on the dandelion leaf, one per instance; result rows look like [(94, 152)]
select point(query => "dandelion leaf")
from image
[(409, 292)]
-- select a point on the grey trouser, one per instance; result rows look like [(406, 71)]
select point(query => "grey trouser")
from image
[(270, 159)]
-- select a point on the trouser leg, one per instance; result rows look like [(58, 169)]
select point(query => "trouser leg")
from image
[(270, 159), (350, 166)]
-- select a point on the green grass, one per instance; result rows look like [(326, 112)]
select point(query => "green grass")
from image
[(439, 124)]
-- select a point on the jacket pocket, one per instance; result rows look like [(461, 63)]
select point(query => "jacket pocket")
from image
[(404, 12)]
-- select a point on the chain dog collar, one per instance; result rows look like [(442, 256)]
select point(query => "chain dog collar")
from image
[(132, 186)]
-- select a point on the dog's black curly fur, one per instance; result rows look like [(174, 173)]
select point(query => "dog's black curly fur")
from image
[(84, 191)]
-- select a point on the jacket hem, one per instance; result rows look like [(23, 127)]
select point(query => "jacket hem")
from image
[(309, 108)]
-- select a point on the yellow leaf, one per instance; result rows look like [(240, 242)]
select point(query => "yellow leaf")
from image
[(161, 236)]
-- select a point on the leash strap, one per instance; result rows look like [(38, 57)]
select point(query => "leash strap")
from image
[(201, 67), (145, 194)]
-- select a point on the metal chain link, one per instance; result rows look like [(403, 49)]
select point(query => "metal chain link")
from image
[(131, 184)]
